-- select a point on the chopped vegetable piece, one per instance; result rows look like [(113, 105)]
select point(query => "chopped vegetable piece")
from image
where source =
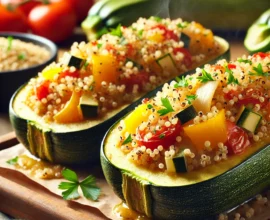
[(71, 112), (213, 130), (187, 114)]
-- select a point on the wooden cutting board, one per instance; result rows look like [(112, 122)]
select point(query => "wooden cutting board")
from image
[(24, 199)]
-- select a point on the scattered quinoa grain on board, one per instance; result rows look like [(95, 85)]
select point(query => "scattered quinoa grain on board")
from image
[(16, 54), (201, 119), (118, 68)]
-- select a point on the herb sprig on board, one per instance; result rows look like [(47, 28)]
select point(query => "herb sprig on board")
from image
[(88, 186)]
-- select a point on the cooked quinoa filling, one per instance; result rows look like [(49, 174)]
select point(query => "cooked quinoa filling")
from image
[(201, 119), (16, 54), (120, 66)]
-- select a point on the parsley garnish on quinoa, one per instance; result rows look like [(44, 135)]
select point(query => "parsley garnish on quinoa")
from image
[(168, 108), (183, 24), (258, 71), (181, 82), (127, 140), (205, 77), (10, 40), (116, 31), (244, 61), (149, 106), (191, 98), (231, 78)]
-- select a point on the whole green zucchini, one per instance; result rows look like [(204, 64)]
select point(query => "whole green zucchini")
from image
[(205, 191), (236, 15)]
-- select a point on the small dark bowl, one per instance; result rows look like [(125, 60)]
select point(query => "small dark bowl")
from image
[(10, 81)]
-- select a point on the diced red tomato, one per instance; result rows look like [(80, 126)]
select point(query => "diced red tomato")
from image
[(130, 50), (75, 74), (42, 91), (166, 137), (187, 55), (145, 100), (231, 66), (168, 34), (238, 139), (260, 54), (250, 96), (268, 111), (139, 79)]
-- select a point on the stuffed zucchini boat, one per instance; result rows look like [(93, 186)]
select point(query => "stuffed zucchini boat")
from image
[(63, 113), (197, 148)]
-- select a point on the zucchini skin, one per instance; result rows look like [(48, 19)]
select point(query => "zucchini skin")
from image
[(82, 146), (203, 200), (113, 12)]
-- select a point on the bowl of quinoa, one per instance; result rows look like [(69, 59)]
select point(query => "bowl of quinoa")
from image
[(21, 57)]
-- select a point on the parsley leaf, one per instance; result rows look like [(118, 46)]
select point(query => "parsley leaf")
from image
[(183, 24), (149, 106), (156, 18), (140, 33), (88, 186), (181, 82), (127, 140), (161, 136), (168, 108), (205, 77), (231, 78), (13, 161), (258, 71), (10, 39), (99, 46), (191, 98), (116, 31), (21, 56), (244, 61)]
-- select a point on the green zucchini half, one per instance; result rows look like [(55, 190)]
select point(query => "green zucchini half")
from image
[(71, 143), (200, 194)]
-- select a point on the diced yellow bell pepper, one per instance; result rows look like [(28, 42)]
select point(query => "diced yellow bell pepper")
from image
[(156, 37), (201, 41), (49, 73), (213, 130), (135, 118), (71, 112), (105, 68)]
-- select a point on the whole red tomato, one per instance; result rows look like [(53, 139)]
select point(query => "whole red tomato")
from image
[(81, 7), (24, 6), (12, 20), (54, 21)]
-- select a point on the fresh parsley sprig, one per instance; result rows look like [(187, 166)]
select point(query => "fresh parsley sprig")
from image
[(13, 161), (258, 71), (191, 98), (244, 61), (183, 24), (10, 40), (88, 186), (127, 140), (168, 108), (231, 78), (205, 77), (116, 31), (181, 82)]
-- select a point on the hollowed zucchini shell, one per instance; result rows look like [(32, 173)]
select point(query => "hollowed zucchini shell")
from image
[(77, 146), (201, 194)]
